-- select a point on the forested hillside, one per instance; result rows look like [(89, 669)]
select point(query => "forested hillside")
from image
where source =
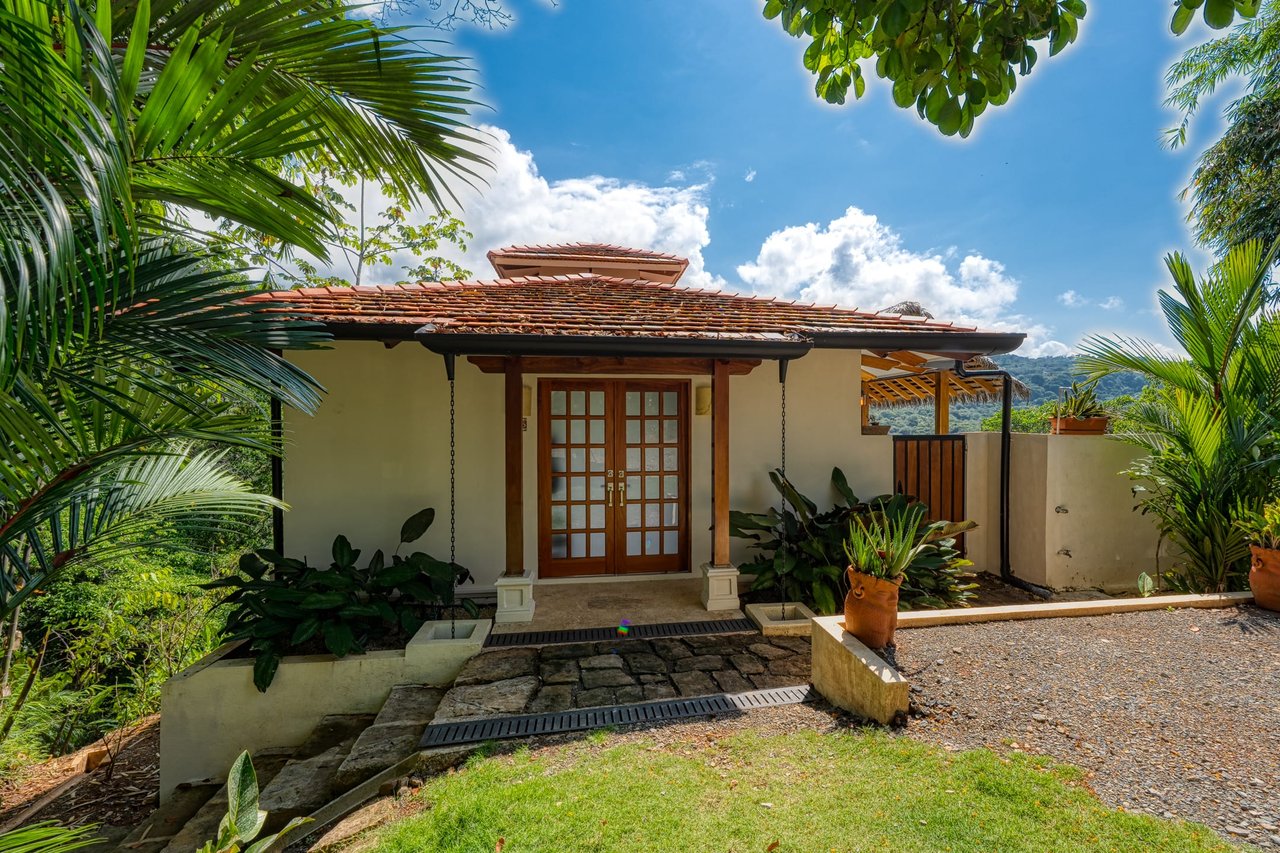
[(1044, 376)]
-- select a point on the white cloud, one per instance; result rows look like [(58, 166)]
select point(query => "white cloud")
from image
[(749, 176), (855, 261), (517, 205), (1072, 299)]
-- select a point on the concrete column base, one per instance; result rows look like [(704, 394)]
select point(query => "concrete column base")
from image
[(720, 587), (515, 599)]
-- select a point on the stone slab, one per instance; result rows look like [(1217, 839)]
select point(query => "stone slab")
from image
[(498, 665), (488, 700), (706, 663), (729, 681), (378, 747), (592, 678), (646, 662), (605, 661), (410, 703), (557, 697), (595, 698), (560, 672), (851, 676), (694, 683), (747, 664)]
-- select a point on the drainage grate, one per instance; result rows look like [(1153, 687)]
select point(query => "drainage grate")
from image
[(498, 728), (634, 632)]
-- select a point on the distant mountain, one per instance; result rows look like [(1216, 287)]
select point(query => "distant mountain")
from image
[(1046, 377)]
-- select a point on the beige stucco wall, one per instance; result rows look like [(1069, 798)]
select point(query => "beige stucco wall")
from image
[(377, 450), (1072, 521)]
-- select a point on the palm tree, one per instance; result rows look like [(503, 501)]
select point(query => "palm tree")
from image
[(120, 342), (1211, 430)]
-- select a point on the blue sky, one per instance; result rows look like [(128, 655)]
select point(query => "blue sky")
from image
[(693, 125)]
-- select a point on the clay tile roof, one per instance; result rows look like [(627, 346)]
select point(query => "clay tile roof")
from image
[(574, 251), (588, 304)]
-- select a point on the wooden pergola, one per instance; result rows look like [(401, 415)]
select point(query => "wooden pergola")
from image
[(905, 378)]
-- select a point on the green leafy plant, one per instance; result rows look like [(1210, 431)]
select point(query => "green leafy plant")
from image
[(1146, 585), (1262, 526), (801, 555), (1210, 427), (280, 604), (244, 820), (1080, 402), (884, 545), (47, 837)]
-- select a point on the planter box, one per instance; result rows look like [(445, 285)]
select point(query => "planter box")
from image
[(789, 619), (211, 711), (1079, 426), (875, 429), (851, 676)]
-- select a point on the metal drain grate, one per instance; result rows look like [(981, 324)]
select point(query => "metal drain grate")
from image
[(634, 632), (525, 725)]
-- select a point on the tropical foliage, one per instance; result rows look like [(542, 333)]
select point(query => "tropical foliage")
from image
[(801, 551), (949, 59), (47, 837), (1211, 427), (279, 604), (1235, 188), (1261, 527), (119, 343)]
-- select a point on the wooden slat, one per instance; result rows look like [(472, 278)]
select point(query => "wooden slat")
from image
[(513, 395), (888, 364), (608, 364), (720, 463)]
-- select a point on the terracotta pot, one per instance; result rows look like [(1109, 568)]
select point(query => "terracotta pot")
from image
[(1264, 577), (1079, 426), (871, 608)]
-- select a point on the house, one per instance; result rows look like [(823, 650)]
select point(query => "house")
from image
[(586, 416)]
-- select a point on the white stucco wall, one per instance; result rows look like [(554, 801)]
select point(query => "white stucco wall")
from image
[(1072, 521), (377, 450)]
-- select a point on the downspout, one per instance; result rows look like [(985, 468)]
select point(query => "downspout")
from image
[(277, 474), (1006, 446)]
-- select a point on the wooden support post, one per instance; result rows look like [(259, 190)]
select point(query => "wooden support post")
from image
[(513, 418), (720, 463), (942, 402), (866, 409)]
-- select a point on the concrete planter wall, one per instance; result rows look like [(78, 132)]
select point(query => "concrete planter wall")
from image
[(211, 711)]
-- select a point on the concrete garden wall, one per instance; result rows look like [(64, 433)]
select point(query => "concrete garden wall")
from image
[(211, 711), (1073, 522), (377, 450)]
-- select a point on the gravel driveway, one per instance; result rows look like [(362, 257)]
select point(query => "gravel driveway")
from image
[(1174, 713)]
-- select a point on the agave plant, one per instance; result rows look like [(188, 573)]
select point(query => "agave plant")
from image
[(882, 546), (1210, 431), (121, 340)]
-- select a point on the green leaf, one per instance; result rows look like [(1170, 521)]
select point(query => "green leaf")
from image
[(416, 525), (1075, 7), (264, 670), (895, 20), (1219, 13), (343, 554), (323, 600), (338, 638), (1182, 17), (243, 814)]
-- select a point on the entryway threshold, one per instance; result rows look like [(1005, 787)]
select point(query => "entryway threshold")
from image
[(584, 719), (620, 633)]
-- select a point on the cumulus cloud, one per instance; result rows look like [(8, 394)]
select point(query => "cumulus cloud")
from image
[(1071, 299), (517, 205), (749, 176), (856, 261)]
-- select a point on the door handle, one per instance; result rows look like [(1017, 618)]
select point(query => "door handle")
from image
[(622, 491), (610, 503)]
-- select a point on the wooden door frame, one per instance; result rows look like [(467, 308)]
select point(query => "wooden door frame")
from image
[(615, 449)]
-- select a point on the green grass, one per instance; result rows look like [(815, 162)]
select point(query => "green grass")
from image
[(806, 791)]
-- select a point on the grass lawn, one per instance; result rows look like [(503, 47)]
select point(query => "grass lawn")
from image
[(799, 792)]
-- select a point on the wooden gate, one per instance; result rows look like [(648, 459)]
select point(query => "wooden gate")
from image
[(931, 468)]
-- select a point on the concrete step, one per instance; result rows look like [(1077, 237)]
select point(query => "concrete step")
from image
[(203, 824), (393, 736)]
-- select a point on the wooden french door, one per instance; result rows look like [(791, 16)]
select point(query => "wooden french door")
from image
[(613, 485)]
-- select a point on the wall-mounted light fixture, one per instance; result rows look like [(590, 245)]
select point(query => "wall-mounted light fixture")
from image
[(702, 400), (526, 401)]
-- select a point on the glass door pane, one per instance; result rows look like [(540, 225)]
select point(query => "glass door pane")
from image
[(575, 466)]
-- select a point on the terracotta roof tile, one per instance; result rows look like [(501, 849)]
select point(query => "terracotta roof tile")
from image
[(584, 250), (586, 305)]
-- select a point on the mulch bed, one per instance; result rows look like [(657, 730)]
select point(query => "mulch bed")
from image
[(1173, 713), (120, 793)]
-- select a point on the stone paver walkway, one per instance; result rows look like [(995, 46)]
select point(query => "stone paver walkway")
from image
[(586, 675)]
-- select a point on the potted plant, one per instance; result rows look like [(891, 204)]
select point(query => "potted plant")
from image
[(879, 549), (1080, 412), (1263, 530)]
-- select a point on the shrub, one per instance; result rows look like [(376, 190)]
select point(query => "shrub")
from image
[(802, 557), (281, 605)]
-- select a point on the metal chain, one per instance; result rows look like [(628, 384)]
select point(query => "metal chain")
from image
[(453, 506), (784, 428)]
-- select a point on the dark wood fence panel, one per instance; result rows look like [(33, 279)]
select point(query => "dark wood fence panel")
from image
[(931, 468)]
